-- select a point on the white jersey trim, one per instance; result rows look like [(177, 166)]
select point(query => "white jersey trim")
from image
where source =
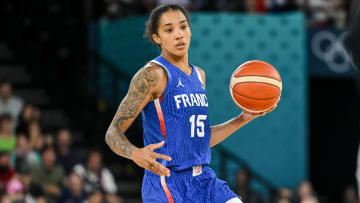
[(199, 75)]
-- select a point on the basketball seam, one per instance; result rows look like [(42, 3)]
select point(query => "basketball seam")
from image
[(257, 76), (244, 108), (252, 97), (256, 79), (258, 82)]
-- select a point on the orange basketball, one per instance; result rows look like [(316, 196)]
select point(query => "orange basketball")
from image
[(255, 86)]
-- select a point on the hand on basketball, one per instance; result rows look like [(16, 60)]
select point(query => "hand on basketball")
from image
[(251, 116), (146, 158)]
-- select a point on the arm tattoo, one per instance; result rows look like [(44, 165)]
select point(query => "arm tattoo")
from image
[(140, 86)]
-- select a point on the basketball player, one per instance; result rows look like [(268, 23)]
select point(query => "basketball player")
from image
[(352, 44), (170, 93)]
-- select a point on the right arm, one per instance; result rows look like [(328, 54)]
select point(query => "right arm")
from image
[(147, 84)]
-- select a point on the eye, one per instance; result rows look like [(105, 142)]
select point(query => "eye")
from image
[(184, 27), (168, 30)]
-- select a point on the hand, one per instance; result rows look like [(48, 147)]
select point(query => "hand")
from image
[(250, 116), (146, 158), (52, 189)]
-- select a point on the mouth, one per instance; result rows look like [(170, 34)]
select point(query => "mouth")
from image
[(180, 45)]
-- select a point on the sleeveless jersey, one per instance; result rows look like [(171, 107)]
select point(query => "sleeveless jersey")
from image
[(180, 117)]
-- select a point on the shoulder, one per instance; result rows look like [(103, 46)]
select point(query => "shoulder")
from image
[(151, 78), (80, 170), (106, 171), (202, 74), (151, 72), (155, 69)]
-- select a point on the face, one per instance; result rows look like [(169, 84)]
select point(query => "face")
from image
[(5, 90), (305, 189), (95, 161), (173, 33), (64, 138), (49, 158), (6, 125), (22, 143), (5, 160), (242, 177), (28, 111), (75, 183), (250, 6)]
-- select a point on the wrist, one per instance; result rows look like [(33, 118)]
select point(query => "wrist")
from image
[(244, 116), (134, 153)]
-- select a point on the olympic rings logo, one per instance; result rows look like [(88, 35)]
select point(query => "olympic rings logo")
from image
[(332, 52)]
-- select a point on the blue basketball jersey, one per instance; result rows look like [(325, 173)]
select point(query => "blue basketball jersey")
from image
[(180, 117)]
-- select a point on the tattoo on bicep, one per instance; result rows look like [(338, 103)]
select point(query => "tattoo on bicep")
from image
[(140, 86)]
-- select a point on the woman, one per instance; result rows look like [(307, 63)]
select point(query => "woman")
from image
[(170, 92)]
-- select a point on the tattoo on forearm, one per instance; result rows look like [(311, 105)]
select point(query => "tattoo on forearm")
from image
[(140, 86), (118, 142)]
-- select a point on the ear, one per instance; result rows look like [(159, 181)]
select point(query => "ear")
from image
[(156, 39)]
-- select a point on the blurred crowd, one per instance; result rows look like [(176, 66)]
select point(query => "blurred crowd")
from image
[(319, 12), (304, 192), (39, 167)]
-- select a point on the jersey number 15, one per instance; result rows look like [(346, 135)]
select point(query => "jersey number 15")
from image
[(199, 125)]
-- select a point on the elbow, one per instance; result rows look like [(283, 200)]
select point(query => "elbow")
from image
[(107, 137)]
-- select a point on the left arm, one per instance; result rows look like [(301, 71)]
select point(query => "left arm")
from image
[(220, 132)]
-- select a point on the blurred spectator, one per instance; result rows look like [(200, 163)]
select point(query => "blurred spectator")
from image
[(337, 13), (28, 114), (254, 6), (242, 188), (37, 140), (185, 3), (6, 172), (95, 176), (14, 192), (66, 156), (148, 5), (114, 9), (9, 103), (350, 195), (32, 193), (283, 6), (306, 194), (230, 5), (284, 195), (24, 158), (319, 11), (7, 139), (48, 175), (95, 197), (74, 191)]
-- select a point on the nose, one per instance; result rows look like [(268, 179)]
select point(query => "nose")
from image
[(179, 34)]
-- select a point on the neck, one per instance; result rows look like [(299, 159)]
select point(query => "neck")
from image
[(178, 61)]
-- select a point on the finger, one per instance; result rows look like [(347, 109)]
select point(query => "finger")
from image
[(152, 147), (159, 169), (161, 156)]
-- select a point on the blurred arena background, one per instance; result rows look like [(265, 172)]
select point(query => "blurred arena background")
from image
[(66, 65)]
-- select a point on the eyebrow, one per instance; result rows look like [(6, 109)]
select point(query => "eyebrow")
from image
[(171, 23)]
